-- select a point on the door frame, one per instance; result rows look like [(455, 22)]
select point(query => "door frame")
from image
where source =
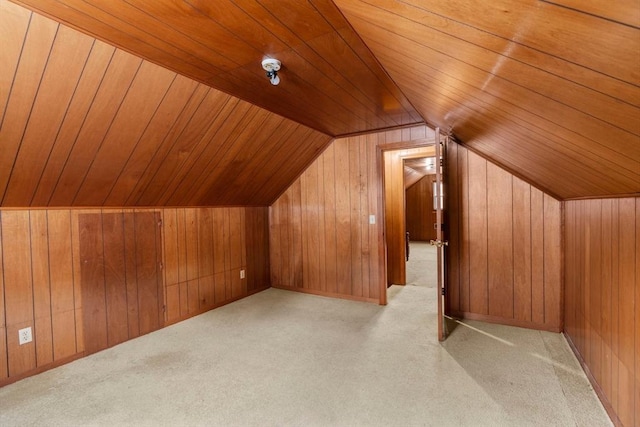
[(381, 149)]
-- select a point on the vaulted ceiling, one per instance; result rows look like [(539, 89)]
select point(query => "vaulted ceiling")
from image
[(164, 102)]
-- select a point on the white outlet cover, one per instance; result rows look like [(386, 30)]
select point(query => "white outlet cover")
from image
[(372, 219), (24, 336)]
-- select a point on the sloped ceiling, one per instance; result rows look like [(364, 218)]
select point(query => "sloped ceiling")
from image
[(550, 91)]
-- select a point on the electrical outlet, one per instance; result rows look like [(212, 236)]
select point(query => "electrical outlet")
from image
[(372, 219), (24, 336), (242, 274)]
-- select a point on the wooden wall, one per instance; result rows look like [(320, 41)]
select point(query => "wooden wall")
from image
[(602, 301), (504, 253), (420, 216), (320, 237), (88, 279), (394, 206)]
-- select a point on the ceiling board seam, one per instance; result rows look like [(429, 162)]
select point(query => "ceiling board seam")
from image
[(84, 119), (133, 150), (113, 119), (511, 118), (302, 77), (226, 145), (170, 132), (33, 103), (445, 54), (369, 22), (64, 118), (507, 39), (175, 138)]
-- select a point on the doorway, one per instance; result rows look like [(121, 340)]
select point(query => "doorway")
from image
[(394, 209), (420, 220)]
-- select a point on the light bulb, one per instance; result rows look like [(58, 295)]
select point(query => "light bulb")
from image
[(275, 80)]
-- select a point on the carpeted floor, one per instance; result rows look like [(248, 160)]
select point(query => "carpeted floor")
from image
[(281, 358), (421, 267)]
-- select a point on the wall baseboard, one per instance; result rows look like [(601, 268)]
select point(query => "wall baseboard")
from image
[(504, 321), (596, 387)]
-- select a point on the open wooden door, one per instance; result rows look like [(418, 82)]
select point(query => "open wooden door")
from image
[(440, 241)]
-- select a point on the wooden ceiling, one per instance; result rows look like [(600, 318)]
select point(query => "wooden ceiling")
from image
[(416, 169), (551, 93), (329, 80), (86, 124), (181, 113)]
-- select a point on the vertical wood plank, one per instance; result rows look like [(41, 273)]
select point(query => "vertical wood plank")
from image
[(627, 311), (522, 250), (18, 292), (227, 253), (377, 272), (171, 263), (451, 193), (296, 235), (115, 277), (478, 292), (61, 277), (637, 316), (500, 242), (343, 218), (595, 269), (363, 218), (605, 297), (219, 249), (131, 273), (355, 186), (552, 262), (615, 302), (329, 179), (43, 334), (4, 369), (149, 297), (92, 282), (537, 256), (278, 233), (465, 258)]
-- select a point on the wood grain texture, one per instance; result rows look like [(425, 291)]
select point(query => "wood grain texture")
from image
[(506, 260), (329, 81), (121, 131), (320, 239), (601, 298), (419, 210), (516, 82), (85, 280)]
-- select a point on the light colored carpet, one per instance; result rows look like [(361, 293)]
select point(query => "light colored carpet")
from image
[(421, 267), (281, 358)]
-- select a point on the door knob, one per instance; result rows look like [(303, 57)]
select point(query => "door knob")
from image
[(439, 243)]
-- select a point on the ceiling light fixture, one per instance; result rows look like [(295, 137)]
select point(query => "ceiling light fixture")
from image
[(272, 66)]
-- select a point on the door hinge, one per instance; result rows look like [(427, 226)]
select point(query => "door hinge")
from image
[(443, 292)]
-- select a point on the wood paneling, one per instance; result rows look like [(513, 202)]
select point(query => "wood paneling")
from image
[(601, 298), (121, 131), (329, 79), (85, 280), (504, 255), (320, 237), (420, 217), (549, 92), (205, 250)]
